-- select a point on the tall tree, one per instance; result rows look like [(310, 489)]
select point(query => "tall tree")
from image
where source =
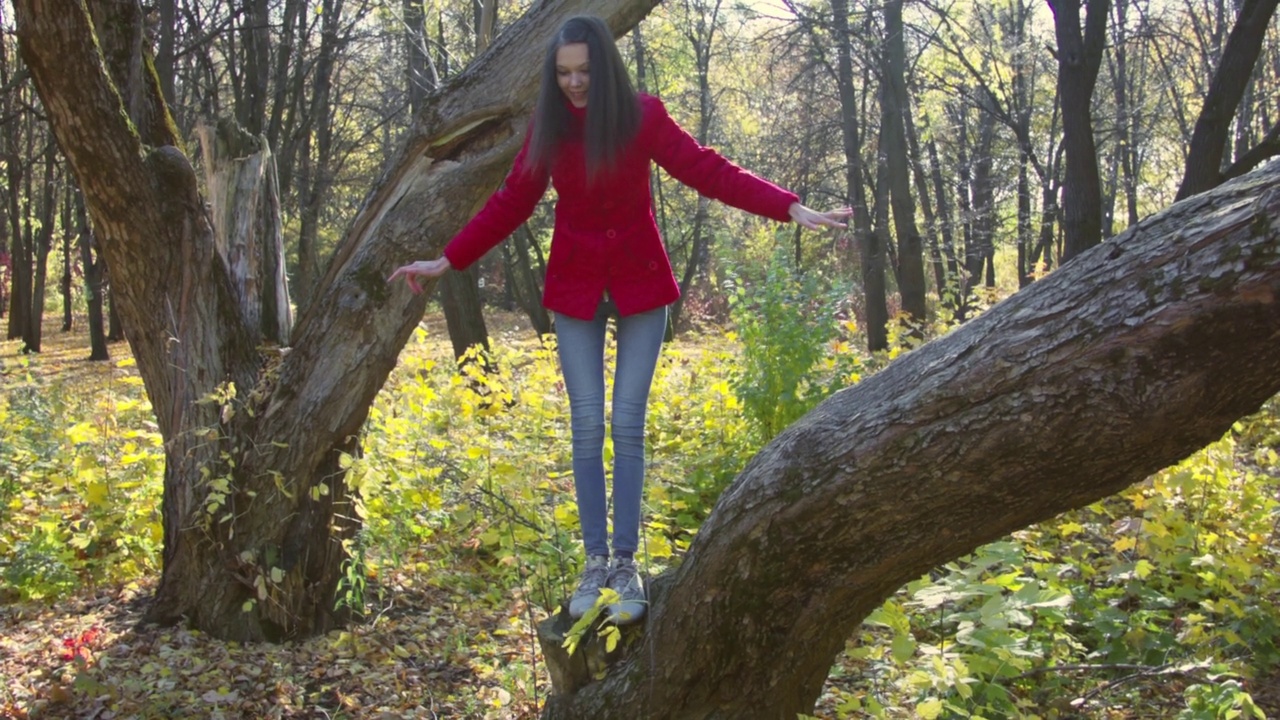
[(19, 243), (93, 266), (65, 285), (870, 245), (1127, 89), (893, 139), (1204, 166), (166, 61), (933, 227), (1079, 55), (250, 67), (460, 291), (316, 150), (950, 291), (40, 243), (700, 25), (286, 91), (1003, 83)]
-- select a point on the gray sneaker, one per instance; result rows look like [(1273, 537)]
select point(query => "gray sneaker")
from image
[(594, 576), (624, 579)]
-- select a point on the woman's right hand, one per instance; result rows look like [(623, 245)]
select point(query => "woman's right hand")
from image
[(815, 220), (428, 269)]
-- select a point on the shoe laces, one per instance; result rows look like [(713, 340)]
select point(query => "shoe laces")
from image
[(622, 574), (594, 575)]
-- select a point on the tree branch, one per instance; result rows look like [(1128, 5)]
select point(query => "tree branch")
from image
[(1268, 148)]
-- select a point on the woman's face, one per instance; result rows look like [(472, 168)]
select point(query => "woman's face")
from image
[(571, 72)]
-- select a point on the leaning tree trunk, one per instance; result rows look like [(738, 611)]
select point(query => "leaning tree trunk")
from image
[(1124, 361), (254, 492)]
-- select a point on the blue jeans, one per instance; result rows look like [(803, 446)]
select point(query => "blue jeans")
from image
[(581, 347)]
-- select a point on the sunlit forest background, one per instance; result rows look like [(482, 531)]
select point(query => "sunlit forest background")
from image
[(1158, 602)]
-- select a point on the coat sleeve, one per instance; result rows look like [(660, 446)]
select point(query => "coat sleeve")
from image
[(502, 213), (708, 172)]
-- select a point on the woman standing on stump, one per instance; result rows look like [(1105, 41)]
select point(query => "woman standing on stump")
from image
[(593, 137)]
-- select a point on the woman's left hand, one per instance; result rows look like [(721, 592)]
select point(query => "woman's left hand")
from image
[(815, 220)]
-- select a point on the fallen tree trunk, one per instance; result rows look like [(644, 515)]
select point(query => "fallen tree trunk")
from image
[(1124, 361)]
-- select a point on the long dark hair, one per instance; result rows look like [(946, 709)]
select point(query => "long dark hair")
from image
[(613, 112)]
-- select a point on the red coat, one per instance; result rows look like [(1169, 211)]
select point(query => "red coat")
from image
[(605, 237)]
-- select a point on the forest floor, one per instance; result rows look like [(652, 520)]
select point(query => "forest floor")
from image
[(423, 651), (434, 644)]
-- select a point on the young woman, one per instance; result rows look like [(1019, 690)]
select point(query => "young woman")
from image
[(593, 137)]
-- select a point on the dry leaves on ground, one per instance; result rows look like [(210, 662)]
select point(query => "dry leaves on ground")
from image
[(426, 653)]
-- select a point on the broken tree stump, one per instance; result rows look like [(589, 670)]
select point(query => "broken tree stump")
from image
[(591, 659)]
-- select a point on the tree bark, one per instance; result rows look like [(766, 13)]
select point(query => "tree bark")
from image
[(255, 494), (1213, 126), (1125, 360)]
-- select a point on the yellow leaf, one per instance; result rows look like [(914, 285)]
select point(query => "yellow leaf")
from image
[(96, 494), (81, 433), (929, 709), (1068, 529), (659, 547), (1125, 543)]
